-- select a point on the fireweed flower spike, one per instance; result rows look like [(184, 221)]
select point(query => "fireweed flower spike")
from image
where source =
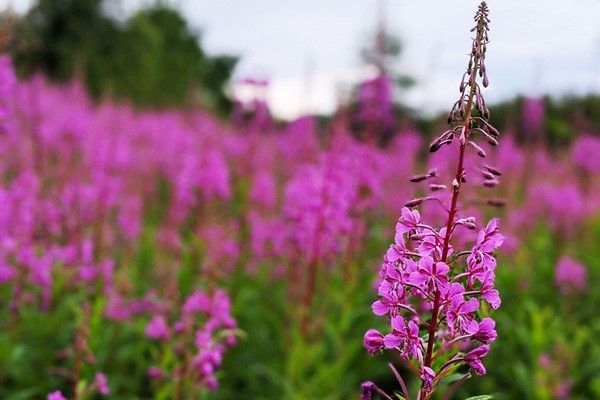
[(430, 290)]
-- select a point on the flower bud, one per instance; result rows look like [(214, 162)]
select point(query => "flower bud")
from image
[(373, 341), (492, 170), (418, 178), (487, 175), (480, 151), (414, 202), (366, 390), (435, 187), (496, 202)]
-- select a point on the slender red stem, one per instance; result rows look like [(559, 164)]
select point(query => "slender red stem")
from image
[(433, 324), (449, 226)]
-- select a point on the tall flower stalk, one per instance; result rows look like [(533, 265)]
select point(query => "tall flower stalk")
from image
[(433, 293)]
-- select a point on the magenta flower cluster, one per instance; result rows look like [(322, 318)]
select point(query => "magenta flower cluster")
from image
[(570, 276), (206, 318), (436, 283), (415, 280)]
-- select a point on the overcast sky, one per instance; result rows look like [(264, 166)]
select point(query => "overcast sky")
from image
[(309, 48)]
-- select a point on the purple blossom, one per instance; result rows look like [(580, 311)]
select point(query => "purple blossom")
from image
[(533, 116), (486, 333), (197, 302), (490, 294), (56, 395), (367, 390), (460, 315), (427, 376), (585, 152), (102, 384), (473, 358), (392, 297), (373, 341), (7, 272), (155, 373), (432, 276), (429, 290), (157, 328), (404, 337), (570, 276)]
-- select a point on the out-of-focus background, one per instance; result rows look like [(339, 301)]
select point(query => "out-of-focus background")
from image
[(196, 196)]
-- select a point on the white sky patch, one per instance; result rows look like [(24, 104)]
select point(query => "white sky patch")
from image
[(537, 46)]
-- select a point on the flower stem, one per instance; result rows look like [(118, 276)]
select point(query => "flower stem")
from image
[(424, 394)]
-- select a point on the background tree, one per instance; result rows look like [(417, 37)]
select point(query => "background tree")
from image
[(153, 58)]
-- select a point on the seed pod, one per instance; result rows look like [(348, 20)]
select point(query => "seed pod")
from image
[(492, 170)]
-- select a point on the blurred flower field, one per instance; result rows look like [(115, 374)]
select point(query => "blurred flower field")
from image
[(175, 255)]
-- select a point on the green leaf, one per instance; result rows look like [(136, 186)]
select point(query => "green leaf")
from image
[(482, 397)]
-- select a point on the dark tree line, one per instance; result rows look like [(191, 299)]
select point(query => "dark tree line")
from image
[(154, 58)]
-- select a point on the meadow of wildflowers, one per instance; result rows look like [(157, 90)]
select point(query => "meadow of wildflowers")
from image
[(173, 255)]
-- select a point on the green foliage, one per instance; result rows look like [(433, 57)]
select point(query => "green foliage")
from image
[(273, 359)]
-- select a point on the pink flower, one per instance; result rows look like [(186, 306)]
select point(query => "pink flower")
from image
[(473, 358), (405, 337), (197, 302), (430, 275), (408, 221), (157, 328), (155, 373), (584, 152), (102, 384), (427, 376), (487, 331), (563, 390), (366, 390), (533, 116), (373, 341), (460, 315), (490, 294), (56, 395), (7, 272), (570, 276), (392, 297)]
